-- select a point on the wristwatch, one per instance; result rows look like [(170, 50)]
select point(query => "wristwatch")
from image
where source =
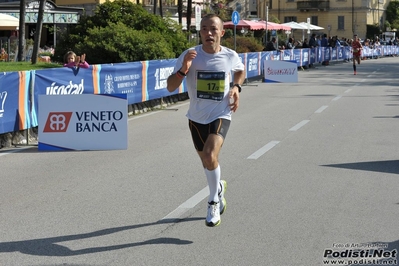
[(238, 86)]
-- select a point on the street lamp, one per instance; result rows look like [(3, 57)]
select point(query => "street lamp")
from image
[(266, 15)]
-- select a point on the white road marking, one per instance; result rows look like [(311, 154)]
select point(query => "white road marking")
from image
[(263, 150), (337, 98), (348, 90), (188, 204), (321, 109), (201, 195), (299, 125), (14, 150)]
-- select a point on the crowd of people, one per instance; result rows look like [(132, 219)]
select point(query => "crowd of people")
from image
[(323, 41)]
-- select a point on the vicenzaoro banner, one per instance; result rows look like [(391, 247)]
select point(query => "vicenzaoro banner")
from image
[(62, 81), (83, 122)]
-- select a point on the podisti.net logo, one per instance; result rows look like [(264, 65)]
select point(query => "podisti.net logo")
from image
[(57, 122)]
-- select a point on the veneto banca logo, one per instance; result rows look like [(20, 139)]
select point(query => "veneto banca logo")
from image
[(57, 122)]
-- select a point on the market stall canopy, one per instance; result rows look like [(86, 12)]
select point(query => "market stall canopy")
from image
[(276, 26), (311, 26), (8, 22), (295, 25), (245, 24)]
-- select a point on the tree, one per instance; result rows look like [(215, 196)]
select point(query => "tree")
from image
[(21, 37), (38, 32), (121, 31), (392, 14)]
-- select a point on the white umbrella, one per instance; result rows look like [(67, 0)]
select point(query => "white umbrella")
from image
[(8, 22), (311, 26), (295, 25)]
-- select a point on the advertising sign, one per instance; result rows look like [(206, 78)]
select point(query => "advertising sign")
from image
[(280, 71), (83, 122)]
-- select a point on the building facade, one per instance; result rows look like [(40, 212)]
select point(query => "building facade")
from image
[(54, 16), (342, 18)]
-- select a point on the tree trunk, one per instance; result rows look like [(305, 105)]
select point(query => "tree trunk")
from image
[(180, 11), (21, 36), (155, 7), (189, 12), (38, 33), (160, 8)]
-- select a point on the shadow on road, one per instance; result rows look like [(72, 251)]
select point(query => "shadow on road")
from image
[(50, 247), (391, 167)]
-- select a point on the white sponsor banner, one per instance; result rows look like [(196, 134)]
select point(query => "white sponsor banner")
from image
[(83, 122), (280, 71)]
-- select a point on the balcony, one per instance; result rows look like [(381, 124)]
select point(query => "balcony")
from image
[(313, 5)]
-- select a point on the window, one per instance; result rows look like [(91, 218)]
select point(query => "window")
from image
[(341, 22), (314, 20), (289, 19)]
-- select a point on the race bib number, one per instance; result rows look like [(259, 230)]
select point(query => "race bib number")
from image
[(210, 85)]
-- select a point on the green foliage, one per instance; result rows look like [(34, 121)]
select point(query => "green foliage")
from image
[(372, 31), (45, 54), (392, 12), (119, 43), (121, 31), (243, 44), (25, 66)]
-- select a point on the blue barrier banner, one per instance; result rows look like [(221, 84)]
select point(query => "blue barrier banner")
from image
[(334, 53), (140, 81), (305, 56), (61, 81), (367, 51), (14, 101), (313, 55), (65, 80), (340, 53), (122, 78), (243, 58), (326, 53), (252, 66), (156, 75), (263, 57), (297, 57), (287, 55)]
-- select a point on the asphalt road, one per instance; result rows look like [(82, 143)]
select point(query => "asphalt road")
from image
[(312, 170)]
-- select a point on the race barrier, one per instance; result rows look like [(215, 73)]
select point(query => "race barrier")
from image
[(140, 81)]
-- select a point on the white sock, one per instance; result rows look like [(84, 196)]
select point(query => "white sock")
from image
[(213, 178)]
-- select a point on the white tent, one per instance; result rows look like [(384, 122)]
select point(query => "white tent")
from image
[(8, 22), (311, 26), (295, 26)]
